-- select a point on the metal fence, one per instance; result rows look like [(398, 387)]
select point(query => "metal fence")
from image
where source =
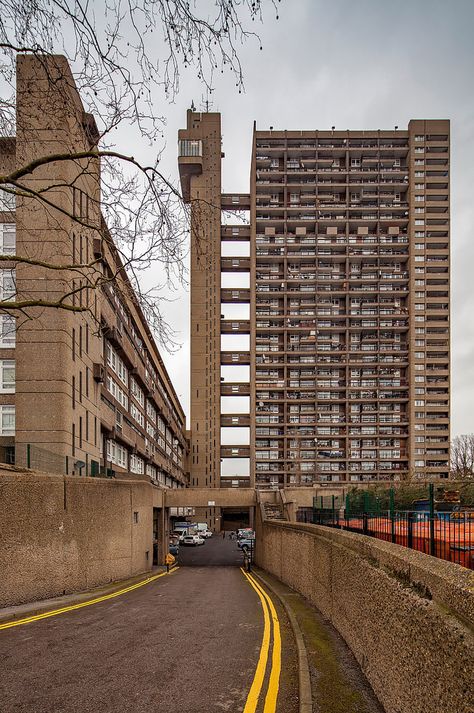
[(447, 534), (30, 456)]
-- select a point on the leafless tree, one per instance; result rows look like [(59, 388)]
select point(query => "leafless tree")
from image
[(462, 457), (126, 59)]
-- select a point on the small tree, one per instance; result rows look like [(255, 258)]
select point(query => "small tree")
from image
[(462, 457)]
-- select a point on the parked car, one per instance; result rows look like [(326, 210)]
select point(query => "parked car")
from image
[(192, 540), (246, 543), (205, 533), (180, 534), (245, 532)]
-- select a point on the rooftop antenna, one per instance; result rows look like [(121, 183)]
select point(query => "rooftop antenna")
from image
[(206, 103), (193, 108)]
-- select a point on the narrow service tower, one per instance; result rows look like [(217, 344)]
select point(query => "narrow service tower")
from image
[(200, 171)]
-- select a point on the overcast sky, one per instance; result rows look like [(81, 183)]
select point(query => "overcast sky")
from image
[(361, 65)]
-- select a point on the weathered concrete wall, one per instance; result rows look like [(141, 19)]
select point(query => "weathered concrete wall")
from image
[(408, 618), (66, 534), (201, 497)]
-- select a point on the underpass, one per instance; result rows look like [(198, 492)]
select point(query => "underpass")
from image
[(216, 551)]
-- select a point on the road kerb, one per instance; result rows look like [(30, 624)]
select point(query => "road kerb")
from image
[(78, 600), (304, 678)]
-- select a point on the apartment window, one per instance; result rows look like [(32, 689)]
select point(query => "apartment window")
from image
[(419, 162), (419, 174), (7, 384), (137, 415), (116, 453), (137, 464), (419, 199), (7, 420), (419, 355), (419, 221), (419, 233), (419, 149), (419, 402), (419, 137), (137, 392), (7, 284), (7, 200), (419, 210), (419, 463), (117, 392), (419, 379), (7, 238), (419, 186), (151, 411), (116, 364)]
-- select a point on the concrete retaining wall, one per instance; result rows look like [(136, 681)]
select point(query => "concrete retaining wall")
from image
[(66, 534), (408, 618)]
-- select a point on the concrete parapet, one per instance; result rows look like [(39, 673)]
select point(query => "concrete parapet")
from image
[(62, 534), (408, 617)]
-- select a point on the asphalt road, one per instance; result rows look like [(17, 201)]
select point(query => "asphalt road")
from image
[(215, 551), (186, 643)]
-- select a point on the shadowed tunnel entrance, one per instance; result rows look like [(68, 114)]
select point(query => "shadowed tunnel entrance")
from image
[(216, 551)]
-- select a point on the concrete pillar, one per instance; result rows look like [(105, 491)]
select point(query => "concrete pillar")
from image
[(252, 517), (163, 534)]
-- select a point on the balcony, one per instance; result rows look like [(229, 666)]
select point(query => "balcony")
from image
[(189, 162)]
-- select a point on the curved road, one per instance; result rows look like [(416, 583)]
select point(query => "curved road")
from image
[(188, 642)]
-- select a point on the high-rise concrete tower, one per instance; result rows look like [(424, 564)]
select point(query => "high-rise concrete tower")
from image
[(348, 303)]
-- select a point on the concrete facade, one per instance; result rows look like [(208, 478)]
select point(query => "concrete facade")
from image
[(408, 618), (90, 393), (66, 534), (346, 304)]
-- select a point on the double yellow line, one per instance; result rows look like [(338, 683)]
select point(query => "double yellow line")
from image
[(269, 616), (81, 605)]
